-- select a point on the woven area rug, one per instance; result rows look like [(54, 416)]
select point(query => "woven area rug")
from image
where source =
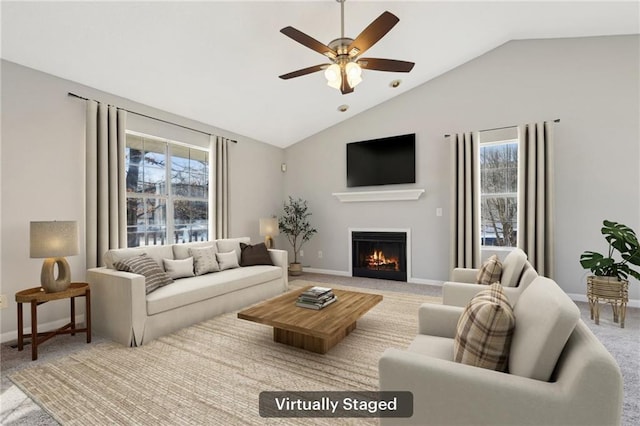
[(213, 372)]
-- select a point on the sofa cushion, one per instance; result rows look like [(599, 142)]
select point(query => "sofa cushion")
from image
[(204, 259), (484, 331), (254, 255), (157, 253), (512, 267), (490, 271), (191, 290), (179, 268), (228, 244), (546, 318), (227, 260), (181, 251), (154, 276)]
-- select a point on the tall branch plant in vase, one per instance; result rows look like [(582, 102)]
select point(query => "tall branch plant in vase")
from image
[(294, 223)]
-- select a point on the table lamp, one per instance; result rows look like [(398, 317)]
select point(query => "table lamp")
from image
[(52, 241), (269, 229)]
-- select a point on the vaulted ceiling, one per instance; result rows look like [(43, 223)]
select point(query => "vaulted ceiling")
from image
[(218, 62)]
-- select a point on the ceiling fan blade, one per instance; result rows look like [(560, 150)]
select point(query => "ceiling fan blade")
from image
[(344, 86), (374, 32), (309, 42), (385, 64), (303, 71)]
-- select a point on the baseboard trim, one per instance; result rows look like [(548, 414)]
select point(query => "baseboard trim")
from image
[(11, 336), (328, 272)]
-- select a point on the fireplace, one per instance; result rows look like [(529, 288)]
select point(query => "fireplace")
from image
[(379, 254)]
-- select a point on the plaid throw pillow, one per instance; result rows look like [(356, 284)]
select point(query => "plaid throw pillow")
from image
[(484, 332), (154, 276), (490, 272)]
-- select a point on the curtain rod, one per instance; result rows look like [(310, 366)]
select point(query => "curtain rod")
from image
[(148, 116), (557, 120)]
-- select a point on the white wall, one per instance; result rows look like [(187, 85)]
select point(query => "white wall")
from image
[(43, 174), (591, 84)]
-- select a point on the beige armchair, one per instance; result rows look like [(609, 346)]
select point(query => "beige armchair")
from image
[(517, 274), (559, 373)]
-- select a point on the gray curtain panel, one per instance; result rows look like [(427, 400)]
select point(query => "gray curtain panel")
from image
[(105, 194), (221, 187), (535, 215), (465, 201)]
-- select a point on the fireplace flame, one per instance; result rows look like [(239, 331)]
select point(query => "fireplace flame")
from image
[(377, 260)]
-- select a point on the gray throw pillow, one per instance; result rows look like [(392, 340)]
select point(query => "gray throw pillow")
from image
[(154, 276), (204, 259), (254, 255)]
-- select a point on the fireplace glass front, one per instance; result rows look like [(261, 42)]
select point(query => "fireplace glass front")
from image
[(379, 255)]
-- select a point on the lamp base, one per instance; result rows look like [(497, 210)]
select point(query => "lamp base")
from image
[(49, 282), (268, 241)]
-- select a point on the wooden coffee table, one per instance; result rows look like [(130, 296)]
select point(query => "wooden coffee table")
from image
[(315, 331)]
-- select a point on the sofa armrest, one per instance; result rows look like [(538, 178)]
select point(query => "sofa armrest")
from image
[(459, 294), (450, 393), (118, 304), (280, 258), (464, 275), (438, 320)]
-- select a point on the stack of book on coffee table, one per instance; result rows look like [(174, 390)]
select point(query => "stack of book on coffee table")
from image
[(316, 298)]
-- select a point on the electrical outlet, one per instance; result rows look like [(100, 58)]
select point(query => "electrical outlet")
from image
[(301, 253), (320, 254), (439, 211), (4, 301)]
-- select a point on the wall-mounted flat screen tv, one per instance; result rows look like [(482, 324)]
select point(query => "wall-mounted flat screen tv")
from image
[(384, 161)]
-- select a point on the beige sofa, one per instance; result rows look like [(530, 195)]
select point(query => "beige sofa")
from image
[(559, 373), (517, 274), (123, 312)]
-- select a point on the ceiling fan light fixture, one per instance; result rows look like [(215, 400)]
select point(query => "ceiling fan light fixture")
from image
[(332, 74), (345, 70), (354, 73)]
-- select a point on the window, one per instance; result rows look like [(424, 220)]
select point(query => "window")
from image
[(499, 193), (167, 187)]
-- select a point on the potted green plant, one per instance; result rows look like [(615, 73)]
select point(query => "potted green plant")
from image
[(294, 223), (610, 274), (622, 239)]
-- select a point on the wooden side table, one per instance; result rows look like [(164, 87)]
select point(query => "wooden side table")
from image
[(37, 296)]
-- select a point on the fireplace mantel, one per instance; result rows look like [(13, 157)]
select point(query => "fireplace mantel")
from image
[(388, 195)]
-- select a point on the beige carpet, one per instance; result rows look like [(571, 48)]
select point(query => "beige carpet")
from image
[(213, 372)]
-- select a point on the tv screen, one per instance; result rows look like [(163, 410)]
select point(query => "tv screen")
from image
[(382, 161)]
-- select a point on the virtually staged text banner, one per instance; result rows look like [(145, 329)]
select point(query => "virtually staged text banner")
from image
[(336, 404)]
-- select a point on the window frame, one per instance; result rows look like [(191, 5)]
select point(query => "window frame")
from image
[(168, 196), (481, 195)]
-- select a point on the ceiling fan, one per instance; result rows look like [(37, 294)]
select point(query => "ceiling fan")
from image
[(344, 71)]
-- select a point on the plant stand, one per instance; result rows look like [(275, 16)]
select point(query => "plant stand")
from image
[(609, 290)]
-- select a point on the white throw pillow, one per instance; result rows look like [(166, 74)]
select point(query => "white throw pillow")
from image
[(228, 244), (179, 268), (204, 260), (227, 260)]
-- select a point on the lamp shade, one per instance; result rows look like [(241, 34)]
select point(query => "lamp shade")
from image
[(269, 227), (54, 239)]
